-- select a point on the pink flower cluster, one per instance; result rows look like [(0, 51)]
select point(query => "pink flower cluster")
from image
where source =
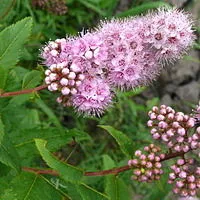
[(173, 128), (185, 176), (147, 167), (181, 134), (119, 54)]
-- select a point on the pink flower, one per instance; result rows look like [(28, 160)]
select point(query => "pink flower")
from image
[(170, 33), (93, 96)]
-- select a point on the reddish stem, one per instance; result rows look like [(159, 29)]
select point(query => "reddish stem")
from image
[(114, 171), (40, 171), (8, 94)]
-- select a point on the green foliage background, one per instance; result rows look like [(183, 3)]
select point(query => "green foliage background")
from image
[(37, 132)]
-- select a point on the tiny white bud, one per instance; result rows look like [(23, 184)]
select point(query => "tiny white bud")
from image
[(65, 91), (50, 88), (54, 45), (78, 83), (54, 52), (46, 49), (57, 40), (72, 75), (64, 81), (47, 72), (61, 65), (81, 77), (88, 54), (53, 76), (53, 67), (54, 86), (65, 71), (73, 91), (75, 68), (47, 80), (59, 100), (71, 82)]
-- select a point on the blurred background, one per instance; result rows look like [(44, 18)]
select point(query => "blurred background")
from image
[(178, 85)]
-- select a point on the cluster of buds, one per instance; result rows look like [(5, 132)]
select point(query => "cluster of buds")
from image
[(181, 134), (147, 166), (124, 54), (65, 78), (185, 177), (172, 128)]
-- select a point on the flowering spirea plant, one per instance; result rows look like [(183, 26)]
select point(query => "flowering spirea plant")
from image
[(122, 54), (86, 72), (180, 133)]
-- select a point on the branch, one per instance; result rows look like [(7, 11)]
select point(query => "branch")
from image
[(40, 171), (9, 94), (114, 171)]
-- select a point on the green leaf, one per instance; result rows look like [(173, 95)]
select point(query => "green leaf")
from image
[(11, 40), (143, 8), (125, 143), (31, 120), (68, 172), (48, 112), (89, 193), (3, 78), (92, 7), (31, 79), (25, 144), (1, 130), (108, 162), (8, 154), (5, 7), (115, 187), (29, 186)]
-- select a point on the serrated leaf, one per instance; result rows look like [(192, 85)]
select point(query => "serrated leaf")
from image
[(28, 186), (31, 79), (11, 40), (68, 172), (125, 143), (25, 144), (142, 8), (9, 155), (3, 78), (5, 7), (88, 193)]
